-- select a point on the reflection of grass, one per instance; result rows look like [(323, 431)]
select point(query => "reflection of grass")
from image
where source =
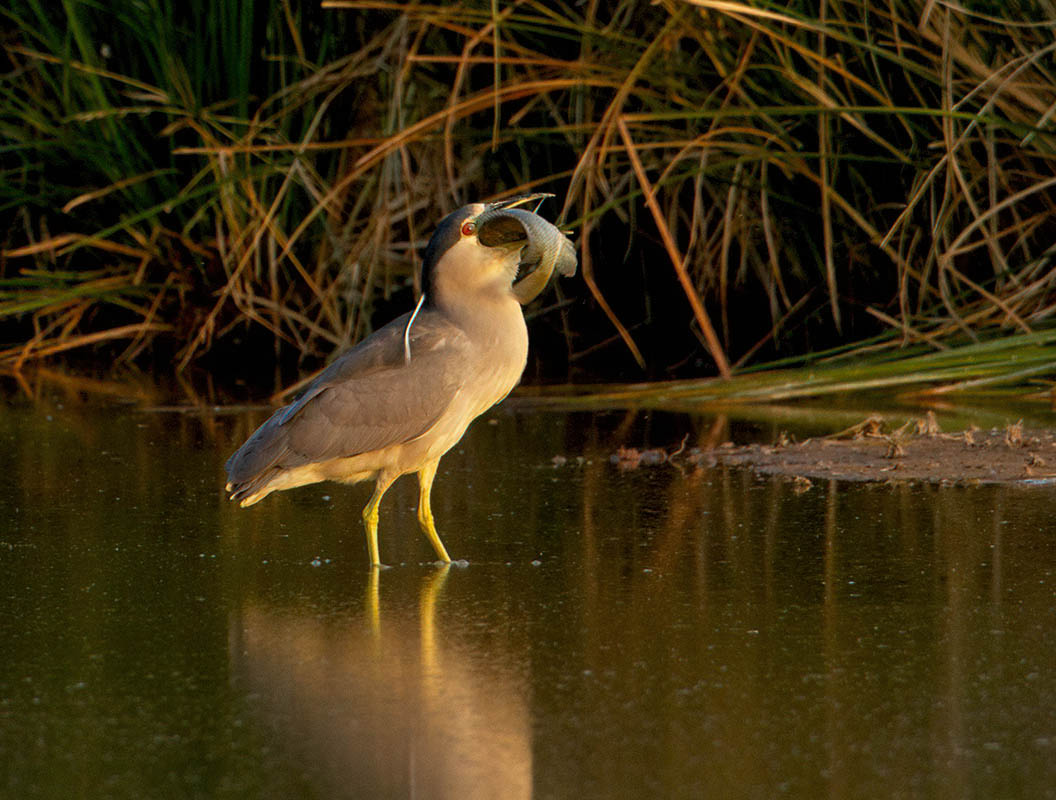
[(233, 165)]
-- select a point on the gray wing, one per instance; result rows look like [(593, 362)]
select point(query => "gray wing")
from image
[(368, 399)]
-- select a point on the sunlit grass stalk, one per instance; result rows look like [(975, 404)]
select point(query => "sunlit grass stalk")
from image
[(1012, 361)]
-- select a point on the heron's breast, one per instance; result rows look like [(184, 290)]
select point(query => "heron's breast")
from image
[(491, 368), (500, 360)]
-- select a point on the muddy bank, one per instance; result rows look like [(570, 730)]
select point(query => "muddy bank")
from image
[(918, 451)]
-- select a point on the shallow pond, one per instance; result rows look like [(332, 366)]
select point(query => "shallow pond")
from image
[(654, 632)]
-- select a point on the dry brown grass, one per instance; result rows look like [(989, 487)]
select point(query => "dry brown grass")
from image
[(894, 158)]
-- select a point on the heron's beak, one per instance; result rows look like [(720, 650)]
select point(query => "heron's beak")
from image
[(520, 200), (544, 247)]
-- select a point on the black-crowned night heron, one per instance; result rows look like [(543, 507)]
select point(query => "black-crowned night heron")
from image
[(401, 398)]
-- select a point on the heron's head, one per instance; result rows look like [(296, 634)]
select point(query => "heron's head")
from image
[(482, 247)]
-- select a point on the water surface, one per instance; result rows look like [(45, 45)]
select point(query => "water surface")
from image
[(657, 632)]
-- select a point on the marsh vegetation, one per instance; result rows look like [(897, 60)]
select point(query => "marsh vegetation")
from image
[(749, 182)]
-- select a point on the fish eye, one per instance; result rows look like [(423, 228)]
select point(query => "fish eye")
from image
[(469, 228)]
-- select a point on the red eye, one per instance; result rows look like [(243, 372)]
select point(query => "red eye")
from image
[(468, 228)]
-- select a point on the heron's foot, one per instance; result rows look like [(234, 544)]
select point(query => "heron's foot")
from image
[(370, 517), (425, 522), (425, 510), (438, 546)]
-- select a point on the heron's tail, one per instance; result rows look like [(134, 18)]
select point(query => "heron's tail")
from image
[(252, 491), (255, 464)]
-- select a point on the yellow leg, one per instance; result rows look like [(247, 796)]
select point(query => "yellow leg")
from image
[(425, 511), (370, 518)]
